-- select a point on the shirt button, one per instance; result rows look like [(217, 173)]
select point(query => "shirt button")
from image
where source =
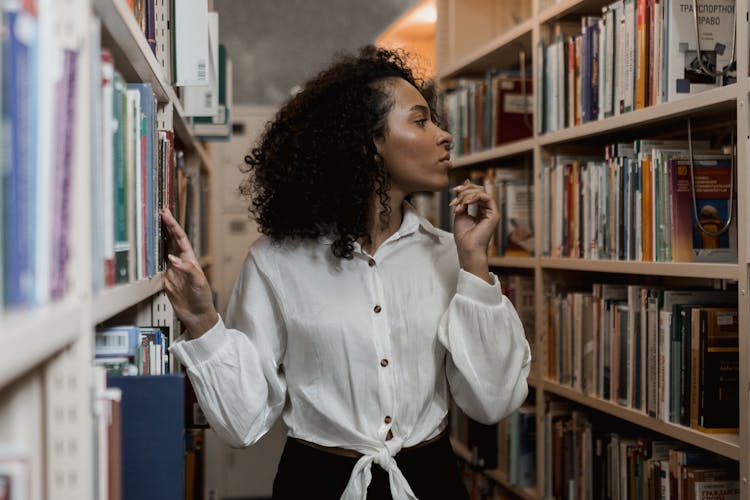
[(387, 419), (383, 362), (371, 262), (377, 309)]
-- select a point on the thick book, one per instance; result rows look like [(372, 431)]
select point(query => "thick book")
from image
[(148, 170), (190, 42), (153, 436), (691, 242), (514, 103), (717, 370)]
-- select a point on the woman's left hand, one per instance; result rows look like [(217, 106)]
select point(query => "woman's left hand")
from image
[(473, 233)]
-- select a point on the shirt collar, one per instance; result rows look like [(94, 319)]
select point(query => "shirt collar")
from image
[(413, 221), (409, 224)]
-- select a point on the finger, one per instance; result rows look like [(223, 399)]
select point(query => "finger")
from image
[(473, 197), (179, 237)]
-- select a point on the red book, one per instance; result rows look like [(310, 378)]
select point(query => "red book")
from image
[(513, 110)]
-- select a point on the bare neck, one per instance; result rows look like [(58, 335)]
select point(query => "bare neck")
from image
[(380, 226)]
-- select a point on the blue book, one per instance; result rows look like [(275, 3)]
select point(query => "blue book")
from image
[(148, 108), (18, 73), (153, 436)]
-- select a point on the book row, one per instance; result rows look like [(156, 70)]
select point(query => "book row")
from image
[(645, 201), (513, 192), (638, 53), (132, 350), (672, 354), (585, 460), (508, 447), (40, 76), (481, 113), (184, 37), (137, 170)]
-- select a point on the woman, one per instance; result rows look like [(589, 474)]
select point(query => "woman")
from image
[(353, 317)]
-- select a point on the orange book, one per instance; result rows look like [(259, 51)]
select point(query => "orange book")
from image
[(642, 51)]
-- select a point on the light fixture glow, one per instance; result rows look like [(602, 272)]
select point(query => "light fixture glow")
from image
[(426, 14)]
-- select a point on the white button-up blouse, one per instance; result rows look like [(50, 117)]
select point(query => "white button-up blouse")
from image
[(347, 350)]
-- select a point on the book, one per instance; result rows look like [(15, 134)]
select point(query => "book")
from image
[(203, 100), (153, 436), (712, 201), (190, 50), (716, 371), (697, 63), (514, 104), (717, 490), (15, 472)]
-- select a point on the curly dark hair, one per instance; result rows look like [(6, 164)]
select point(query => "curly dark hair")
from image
[(315, 169)]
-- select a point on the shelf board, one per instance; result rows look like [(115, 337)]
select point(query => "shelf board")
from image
[(501, 478), (677, 269), (712, 100), (496, 153), (566, 7), (118, 298), (133, 56), (510, 262), (501, 51), (31, 336), (727, 445)]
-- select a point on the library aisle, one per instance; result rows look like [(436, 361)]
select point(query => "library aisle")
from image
[(613, 135)]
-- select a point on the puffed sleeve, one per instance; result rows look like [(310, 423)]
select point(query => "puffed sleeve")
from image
[(236, 372), (488, 357)]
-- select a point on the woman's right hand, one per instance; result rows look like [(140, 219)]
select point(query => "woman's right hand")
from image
[(186, 284)]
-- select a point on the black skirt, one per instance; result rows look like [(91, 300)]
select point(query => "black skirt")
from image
[(308, 473)]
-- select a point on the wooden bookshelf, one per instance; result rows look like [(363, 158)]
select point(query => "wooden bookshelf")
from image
[(496, 475), (47, 378), (120, 297), (723, 444), (482, 49), (498, 153), (59, 323), (676, 269)]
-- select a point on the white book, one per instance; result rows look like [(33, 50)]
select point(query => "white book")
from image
[(619, 57), (657, 62), (190, 50), (686, 73), (204, 100), (608, 56), (551, 80), (602, 40), (134, 101), (49, 72), (108, 126), (629, 56), (132, 158)]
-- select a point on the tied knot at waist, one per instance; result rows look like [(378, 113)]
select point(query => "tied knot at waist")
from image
[(361, 476)]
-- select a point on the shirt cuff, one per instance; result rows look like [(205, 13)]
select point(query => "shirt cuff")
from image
[(205, 347), (475, 288)]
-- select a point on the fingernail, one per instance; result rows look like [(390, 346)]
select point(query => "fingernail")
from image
[(173, 259)]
